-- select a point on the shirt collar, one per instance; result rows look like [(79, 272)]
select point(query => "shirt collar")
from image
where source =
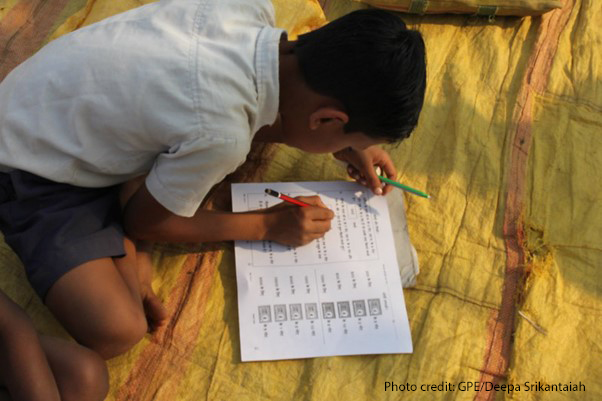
[(266, 67)]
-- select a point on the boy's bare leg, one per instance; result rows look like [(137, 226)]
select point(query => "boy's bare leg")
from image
[(156, 313), (79, 372), (102, 303), (100, 307), (38, 367), (24, 369), (127, 267)]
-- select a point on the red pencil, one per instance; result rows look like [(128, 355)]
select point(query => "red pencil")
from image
[(286, 198)]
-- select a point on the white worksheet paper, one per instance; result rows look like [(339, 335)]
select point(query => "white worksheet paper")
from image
[(338, 295)]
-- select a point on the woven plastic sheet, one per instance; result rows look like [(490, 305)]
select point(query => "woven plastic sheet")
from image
[(510, 244)]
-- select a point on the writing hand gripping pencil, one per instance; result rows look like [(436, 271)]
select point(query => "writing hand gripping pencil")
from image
[(297, 224)]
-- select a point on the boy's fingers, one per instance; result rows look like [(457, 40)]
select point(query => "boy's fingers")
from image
[(373, 181), (391, 172), (320, 226), (322, 204), (387, 188), (311, 200), (383, 187), (354, 173), (309, 238), (321, 213), (314, 200)]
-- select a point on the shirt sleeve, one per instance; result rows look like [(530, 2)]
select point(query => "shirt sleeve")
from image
[(181, 177)]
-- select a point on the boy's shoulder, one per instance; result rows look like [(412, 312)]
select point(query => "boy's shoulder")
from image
[(139, 82)]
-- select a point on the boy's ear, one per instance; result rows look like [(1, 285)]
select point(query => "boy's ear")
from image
[(327, 115)]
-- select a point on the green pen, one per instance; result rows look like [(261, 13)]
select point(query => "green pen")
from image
[(404, 187)]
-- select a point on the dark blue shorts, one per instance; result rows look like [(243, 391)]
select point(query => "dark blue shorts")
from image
[(55, 227)]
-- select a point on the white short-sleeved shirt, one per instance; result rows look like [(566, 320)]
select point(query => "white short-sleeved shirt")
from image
[(175, 89)]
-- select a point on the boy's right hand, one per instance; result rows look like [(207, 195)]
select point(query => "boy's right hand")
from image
[(295, 225)]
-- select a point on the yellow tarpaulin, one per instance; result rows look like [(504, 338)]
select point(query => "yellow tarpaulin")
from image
[(509, 145)]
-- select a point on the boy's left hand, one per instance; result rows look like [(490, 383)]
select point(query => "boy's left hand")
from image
[(361, 163)]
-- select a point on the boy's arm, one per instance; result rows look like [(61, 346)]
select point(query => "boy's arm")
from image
[(146, 219)]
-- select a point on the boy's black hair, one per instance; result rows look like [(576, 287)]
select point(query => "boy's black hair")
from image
[(370, 62)]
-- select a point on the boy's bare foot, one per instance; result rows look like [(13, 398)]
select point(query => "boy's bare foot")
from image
[(155, 311)]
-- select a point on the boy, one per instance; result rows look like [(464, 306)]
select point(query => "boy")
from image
[(175, 91)]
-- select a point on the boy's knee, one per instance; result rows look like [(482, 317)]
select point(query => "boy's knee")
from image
[(119, 335), (89, 380)]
